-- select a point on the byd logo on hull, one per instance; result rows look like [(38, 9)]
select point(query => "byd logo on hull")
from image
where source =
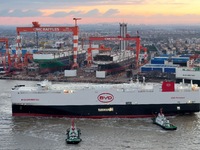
[(105, 97)]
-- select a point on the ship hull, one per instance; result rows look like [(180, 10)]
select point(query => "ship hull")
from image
[(188, 75), (128, 100), (58, 64), (104, 111), (116, 67)]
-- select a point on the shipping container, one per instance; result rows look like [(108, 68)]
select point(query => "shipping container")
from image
[(158, 69), (169, 70), (2, 51), (157, 61), (145, 69), (23, 52), (100, 74), (70, 73), (160, 58), (35, 51), (180, 60), (13, 51)]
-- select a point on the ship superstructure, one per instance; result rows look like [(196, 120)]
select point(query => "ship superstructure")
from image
[(113, 62)]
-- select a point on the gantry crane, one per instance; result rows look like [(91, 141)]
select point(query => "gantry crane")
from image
[(144, 49), (127, 38), (37, 28)]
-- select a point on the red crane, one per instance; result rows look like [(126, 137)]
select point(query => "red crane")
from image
[(4, 40), (76, 20), (7, 55), (27, 57), (37, 28), (128, 38), (145, 53)]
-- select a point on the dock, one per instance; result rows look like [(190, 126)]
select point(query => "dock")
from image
[(88, 78)]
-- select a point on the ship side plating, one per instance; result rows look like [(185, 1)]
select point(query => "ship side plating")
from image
[(105, 101)]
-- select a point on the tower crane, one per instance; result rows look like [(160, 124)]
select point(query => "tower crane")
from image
[(75, 41)]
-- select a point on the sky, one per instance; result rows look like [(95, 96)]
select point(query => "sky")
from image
[(149, 12)]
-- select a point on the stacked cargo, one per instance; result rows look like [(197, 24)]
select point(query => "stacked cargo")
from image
[(159, 68)]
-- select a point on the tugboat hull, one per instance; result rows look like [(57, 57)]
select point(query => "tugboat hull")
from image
[(169, 126), (73, 136)]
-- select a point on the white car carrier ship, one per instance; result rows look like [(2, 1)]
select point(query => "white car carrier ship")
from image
[(81, 100)]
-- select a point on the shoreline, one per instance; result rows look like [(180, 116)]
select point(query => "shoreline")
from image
[(108, 80), (69, 79)]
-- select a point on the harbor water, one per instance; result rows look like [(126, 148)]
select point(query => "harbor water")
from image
[(46, 133)]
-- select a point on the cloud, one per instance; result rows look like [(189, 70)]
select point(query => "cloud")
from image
[(58, 14), (111, 12), (91, 13), (20, 13), (58, 4), (103, 10), (65, 14), (162, 19), (169, 2)]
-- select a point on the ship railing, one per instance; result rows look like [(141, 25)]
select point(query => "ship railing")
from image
[(182, 90), (17, 87), (134, 90), (146, 90), (38, 92), (185, 90)]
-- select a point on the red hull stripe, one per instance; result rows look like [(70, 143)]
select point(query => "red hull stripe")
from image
[(92, 117)]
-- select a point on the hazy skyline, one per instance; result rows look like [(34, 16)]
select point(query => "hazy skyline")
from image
[(23, 12)]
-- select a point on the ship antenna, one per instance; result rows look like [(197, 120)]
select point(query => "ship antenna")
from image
[(183, 81), (72, 124), (143, 79), (137, 80), (131, 80), (191, 82)]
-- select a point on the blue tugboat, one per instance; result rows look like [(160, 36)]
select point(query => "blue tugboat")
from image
[(73, 134)]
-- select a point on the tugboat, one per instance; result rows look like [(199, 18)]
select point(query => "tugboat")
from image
[(73, 134), (161, 121)]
